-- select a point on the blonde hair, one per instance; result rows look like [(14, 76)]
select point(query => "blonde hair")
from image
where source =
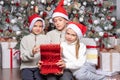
[(77, 48)]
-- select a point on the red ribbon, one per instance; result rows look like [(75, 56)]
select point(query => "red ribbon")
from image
[(11, 59), (89, 46), (17, 52)]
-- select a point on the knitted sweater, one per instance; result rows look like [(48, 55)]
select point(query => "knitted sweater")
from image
[(56, 36), (69, 56), (28, 60)]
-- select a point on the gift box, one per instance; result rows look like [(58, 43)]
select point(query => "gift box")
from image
[(92, 50), (50, 55), (0, 56), (113, 41), (89, 41), (92, 56), (9, 59), (110, 61)]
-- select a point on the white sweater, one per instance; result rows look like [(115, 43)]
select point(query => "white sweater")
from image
[(69, 56)]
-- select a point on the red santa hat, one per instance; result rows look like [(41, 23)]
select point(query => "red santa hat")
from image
[(79, 28), (60, 11), (33, 18)]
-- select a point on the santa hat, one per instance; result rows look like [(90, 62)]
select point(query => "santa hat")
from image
[(79, 28), (32, 19), (60, 11)]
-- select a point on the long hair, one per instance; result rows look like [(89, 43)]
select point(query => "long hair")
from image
[(77, 48)]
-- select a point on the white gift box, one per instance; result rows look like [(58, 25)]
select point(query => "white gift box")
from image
[(8, 58), (0, 56), (92, 51), (110, 62), (92, 56), (88, 41), (113, 41)]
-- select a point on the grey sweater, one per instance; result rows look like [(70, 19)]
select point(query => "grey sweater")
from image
[(56, 36), (28, 60)]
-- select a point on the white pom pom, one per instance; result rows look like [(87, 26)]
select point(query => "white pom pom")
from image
[(74, 11), (68, 4), (65, 2), (95, 2), (31, 7), (50, 20), (32, 2), (105, 28), (96, 39), (19, 18), (41, 13), (1, 2), (102, 19), (14, 38), (84, 3), (96, 22), (101, 33), (18, 32), (43, 1), (113, 19), (81, 19), (13, 21), (104, 9), (12, 2)]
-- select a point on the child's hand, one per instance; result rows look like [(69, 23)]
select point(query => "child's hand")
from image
[(39, 64), (61, 64), (36, 49)]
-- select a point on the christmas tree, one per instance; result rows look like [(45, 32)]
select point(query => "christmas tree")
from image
[(95, 14)]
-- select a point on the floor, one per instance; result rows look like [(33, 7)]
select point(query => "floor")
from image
[(14, 74), (7, 74)]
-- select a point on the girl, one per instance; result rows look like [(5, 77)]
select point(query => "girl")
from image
[(29, 48), (74, 53)]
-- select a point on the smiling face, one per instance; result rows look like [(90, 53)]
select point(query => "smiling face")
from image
[(70, 35), (60, 23), (38, 27)]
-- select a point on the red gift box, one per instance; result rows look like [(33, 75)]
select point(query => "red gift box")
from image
[(50, 55)]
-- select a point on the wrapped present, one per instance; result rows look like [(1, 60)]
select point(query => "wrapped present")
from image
[(89, 41), (113, 41), (0, 56), (50, 55), (110, 61), (92, 56), (8, 57), (92, 50)]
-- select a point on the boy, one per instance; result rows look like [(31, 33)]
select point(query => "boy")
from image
[(29, 51), (60, 20)]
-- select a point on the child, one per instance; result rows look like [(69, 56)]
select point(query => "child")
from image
[(74, 53), (60, 19), (29, 51)]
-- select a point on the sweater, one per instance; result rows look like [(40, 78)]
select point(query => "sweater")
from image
[(69, 56), (28, 60), (56, 36)]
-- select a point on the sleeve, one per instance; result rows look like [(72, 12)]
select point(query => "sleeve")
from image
[(74, 63), (25, 53)]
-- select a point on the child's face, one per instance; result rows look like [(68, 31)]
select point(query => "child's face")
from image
[(60, 23), (70, 35), (38, 27)]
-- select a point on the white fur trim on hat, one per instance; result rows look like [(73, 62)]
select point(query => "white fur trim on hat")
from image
[(59, 14), (76, 29), (33, 22)]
